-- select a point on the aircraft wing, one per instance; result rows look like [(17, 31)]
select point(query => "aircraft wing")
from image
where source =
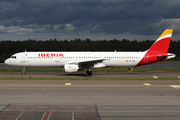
[(90, 64), (87, 63)]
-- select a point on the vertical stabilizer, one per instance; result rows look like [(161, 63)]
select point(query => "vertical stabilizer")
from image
[(159, 50), (161, 45)]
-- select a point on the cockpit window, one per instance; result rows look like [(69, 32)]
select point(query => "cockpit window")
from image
[(14, 57)]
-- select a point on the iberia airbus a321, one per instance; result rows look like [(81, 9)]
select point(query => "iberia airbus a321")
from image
[(76, 61)]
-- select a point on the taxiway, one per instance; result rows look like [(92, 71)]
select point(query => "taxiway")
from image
[(89, 99), (84, 75)]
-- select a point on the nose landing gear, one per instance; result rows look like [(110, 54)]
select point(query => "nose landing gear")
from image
[(23, 71)]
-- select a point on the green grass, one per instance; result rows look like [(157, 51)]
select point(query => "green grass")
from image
[(94, 70)]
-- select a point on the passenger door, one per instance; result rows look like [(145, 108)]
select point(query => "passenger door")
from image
[(23, 57)]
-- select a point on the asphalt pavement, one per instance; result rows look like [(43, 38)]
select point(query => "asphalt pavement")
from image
[(89, 100)]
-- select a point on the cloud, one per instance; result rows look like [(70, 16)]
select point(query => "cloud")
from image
[(14, 30), (148, 17)]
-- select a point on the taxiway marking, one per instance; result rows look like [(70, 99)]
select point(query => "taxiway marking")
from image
[(68, 84), (73, 115), (147, 84), (47, 115), (154, 76), (20, 115), (175, 86), (43, 115)]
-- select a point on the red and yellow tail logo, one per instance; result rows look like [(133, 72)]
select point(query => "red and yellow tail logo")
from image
[(166, 33), (162, 43), (159, 48)]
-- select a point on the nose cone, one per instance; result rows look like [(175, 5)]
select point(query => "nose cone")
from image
[(7, 62)]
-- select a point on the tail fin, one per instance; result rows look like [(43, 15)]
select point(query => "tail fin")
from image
[(161, 45), (158, 51)]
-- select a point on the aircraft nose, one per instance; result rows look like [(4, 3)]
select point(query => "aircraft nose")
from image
[(7, 62)]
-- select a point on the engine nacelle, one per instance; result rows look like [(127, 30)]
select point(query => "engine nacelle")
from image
[(71, 68)]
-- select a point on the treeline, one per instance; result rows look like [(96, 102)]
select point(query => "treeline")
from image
[(7, 48)]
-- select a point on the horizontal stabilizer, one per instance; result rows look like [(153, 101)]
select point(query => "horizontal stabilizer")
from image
[(170, 55)]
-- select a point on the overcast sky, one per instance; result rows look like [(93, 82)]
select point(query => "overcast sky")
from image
[(94, 19)]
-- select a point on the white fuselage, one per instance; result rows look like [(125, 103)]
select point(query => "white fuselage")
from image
[(59, 59)]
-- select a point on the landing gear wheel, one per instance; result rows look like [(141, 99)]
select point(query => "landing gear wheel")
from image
[(23, 71), (89, 72)]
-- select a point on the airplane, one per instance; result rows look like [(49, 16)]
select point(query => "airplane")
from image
[(76, 61)]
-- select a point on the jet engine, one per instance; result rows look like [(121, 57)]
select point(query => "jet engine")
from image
[(71, 68)]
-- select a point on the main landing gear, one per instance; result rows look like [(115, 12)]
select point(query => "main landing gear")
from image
[(89, 72), (23, 71)]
